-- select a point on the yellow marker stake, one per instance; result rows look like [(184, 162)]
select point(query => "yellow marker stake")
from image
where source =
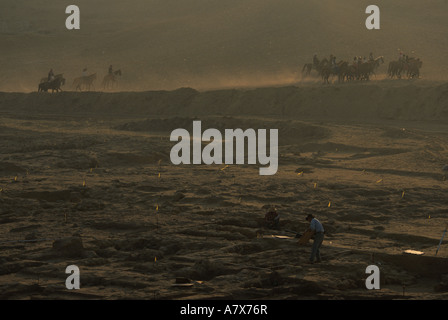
[(15, 178), (329, 204), (381, 180), (84, 183), (402, 195)]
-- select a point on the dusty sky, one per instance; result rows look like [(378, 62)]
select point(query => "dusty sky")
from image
[(166, 44)]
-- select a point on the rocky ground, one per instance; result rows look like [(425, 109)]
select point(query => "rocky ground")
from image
[(101, 193)]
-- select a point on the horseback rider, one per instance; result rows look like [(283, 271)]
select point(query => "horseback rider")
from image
[(111, 73), (84, 72), (333, 61), (315, 60), (371, 58), (334, 65), (50, 75)]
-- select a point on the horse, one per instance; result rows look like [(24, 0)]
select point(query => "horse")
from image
[(376, 63), (351, 73), (45, 79), (394, 69), (110, 79), (367, 68), (54, 84), (343, 71), (328, 71), (339, 69), (321, 65), (307, 69), (87, 81), (413, 68)]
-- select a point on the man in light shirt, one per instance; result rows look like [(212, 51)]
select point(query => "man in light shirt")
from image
[(318, 231)]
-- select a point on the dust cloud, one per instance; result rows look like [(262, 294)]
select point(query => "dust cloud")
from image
[(164, 45)]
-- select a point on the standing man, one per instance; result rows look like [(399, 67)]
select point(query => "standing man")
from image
[(318, 230)]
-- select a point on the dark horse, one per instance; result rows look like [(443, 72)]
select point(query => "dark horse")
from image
[(54, 84), (306, 70)]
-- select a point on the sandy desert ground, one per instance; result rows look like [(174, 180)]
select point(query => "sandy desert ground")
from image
[(86, 179)]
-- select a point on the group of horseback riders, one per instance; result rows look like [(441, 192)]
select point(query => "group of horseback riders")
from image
[(405, 64), (361, 68), (54, 82)]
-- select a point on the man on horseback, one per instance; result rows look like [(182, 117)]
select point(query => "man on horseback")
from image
[(111, 73), (334, 65), (50, 75), (315, 61), (53, 82)]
